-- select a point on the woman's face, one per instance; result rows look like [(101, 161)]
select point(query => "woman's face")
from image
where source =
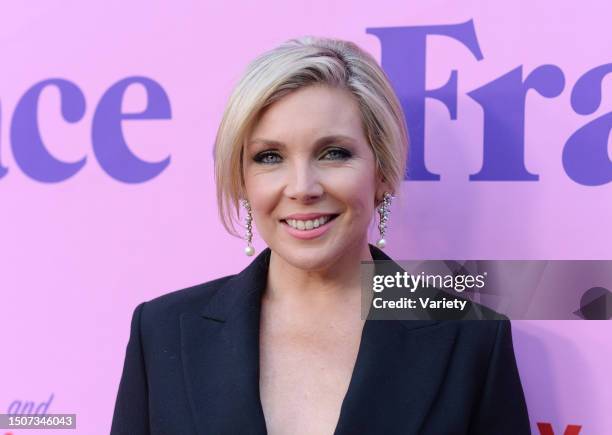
[(308, 156)]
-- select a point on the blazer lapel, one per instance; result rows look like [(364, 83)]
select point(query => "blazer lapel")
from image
[(400, 367), (400, 364), (220, 354)]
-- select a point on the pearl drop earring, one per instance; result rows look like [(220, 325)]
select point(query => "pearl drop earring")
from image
[(248, 250), (384, 212)]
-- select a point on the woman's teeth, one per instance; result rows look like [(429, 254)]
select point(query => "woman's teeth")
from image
[(309, 224)]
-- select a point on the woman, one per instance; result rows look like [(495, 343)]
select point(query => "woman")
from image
[(311, 143)]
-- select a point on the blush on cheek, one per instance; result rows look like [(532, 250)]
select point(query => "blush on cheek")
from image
[(363, 210)]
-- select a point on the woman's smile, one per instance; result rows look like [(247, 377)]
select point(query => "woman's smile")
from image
[(309, 229)]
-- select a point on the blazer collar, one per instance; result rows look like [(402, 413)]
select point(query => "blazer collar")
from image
[(243, 289), (247, 287), (220, 357)]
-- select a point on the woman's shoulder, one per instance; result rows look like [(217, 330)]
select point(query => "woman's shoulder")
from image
[(191, 300), (483, 333)]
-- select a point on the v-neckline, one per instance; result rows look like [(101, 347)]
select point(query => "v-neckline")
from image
[(222, 377), (350, 386), (367, 324)]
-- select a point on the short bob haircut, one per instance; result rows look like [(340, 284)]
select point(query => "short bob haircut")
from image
[(292, 65)]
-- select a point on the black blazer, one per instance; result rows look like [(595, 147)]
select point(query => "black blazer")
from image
[(192, 367)]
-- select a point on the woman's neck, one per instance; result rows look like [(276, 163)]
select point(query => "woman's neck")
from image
[(337, 282)]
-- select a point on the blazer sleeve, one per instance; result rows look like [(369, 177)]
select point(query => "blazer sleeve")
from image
[(131, 416), (501, 408)]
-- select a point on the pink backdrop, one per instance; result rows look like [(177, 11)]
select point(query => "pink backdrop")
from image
[(77, 256)]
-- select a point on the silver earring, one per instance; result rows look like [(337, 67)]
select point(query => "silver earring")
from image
[(248, 250), (384, 211)]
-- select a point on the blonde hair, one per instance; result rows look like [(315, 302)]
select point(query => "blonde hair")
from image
[(292, 65)]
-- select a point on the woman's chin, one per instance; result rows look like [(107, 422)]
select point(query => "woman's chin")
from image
[(315, 257)]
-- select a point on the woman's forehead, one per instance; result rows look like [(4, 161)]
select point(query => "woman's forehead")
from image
[(313, 112), (323, 140)]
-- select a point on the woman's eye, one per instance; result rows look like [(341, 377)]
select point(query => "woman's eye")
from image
[(271, 157), (267, 158), (338, 154)]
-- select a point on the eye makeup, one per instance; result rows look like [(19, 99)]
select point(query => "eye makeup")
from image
[(268, 157)]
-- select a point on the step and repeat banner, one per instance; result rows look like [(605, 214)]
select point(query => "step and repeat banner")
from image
[(108, 113)]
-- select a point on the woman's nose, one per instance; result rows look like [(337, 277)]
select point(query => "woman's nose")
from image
[(303, 182)]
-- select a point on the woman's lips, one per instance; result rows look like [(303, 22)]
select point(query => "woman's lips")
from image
[(309, 234), (308, 216)]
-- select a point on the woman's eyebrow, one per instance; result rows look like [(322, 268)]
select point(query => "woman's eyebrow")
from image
[(319, 142), (268, 142)]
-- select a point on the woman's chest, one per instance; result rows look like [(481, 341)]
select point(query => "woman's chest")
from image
[(305, 375)]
